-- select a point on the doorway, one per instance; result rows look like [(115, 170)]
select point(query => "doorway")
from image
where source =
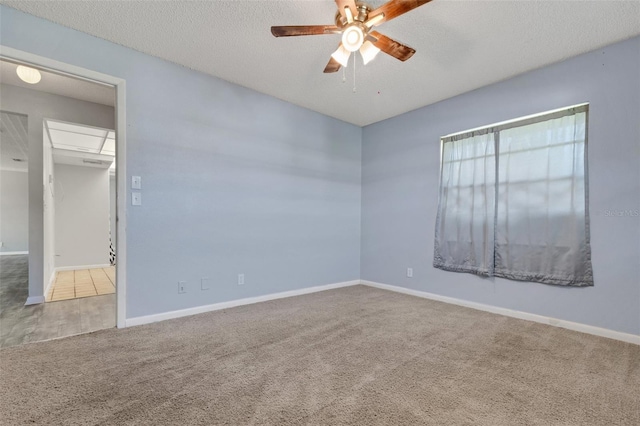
[(41, 242), (79, 170)]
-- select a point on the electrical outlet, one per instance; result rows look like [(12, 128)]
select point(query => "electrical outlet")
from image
[(204, 283), (240, 279), (410, 272), (182, 287)]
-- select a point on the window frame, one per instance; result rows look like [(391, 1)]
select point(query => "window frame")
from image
[(496, 129)]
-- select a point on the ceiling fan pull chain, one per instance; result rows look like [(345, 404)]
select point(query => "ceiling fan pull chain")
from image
[(354, 72), (344, 74)]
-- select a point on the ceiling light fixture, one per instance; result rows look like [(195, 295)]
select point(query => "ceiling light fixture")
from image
[(352, 38), (355, 21), (28, 75), (368, 52), (341, 55)]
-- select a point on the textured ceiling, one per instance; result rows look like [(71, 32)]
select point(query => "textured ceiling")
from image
[(461, 45), (60, 85)]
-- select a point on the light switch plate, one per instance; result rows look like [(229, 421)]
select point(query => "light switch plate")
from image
[(136, 182), (136, 199)]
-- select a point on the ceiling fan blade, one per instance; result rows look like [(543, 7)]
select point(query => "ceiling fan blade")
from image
[(391, 47), (395, 8), (351, 4), (332, 66), (302, 30)]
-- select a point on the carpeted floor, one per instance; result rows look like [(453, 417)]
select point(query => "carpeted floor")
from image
[(356, 356)]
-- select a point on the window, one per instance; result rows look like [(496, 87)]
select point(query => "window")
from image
[(513, 200)]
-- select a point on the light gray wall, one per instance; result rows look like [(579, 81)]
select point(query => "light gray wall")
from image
[(14, 208), (400, 167), (82, 216), (37, 106), (233, 181)]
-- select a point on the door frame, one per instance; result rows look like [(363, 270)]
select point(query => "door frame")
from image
[(119, 84)]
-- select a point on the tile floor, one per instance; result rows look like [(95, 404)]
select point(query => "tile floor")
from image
[(24, 324), (82, 283)]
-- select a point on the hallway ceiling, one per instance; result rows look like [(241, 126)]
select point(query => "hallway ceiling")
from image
[(60, 85), (461, 45), (81, 145), (81, 138)]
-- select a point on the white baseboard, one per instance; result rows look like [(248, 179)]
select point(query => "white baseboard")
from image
[(12, 253), (575, 326), (73, 268), (147, 319), (34, 300)]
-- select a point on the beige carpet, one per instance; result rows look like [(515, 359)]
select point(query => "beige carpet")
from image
[(357, 356)]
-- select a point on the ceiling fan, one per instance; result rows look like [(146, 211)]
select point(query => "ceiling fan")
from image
[(355, 21)]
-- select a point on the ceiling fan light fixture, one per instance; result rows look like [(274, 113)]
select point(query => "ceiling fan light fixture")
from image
[(28, 75), (355, 20), (352, 38), (341, 55), (368, 52), (348, 14)]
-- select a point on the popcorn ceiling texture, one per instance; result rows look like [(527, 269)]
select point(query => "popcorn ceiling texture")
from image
[(461, 45)]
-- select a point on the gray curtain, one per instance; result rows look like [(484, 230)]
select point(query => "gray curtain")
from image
[(513, 201), (465, 224)]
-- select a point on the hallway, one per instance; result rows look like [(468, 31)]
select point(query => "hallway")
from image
[(25, 324)]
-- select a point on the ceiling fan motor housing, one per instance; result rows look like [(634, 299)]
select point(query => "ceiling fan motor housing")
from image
[(354, 33), (363, 13)]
